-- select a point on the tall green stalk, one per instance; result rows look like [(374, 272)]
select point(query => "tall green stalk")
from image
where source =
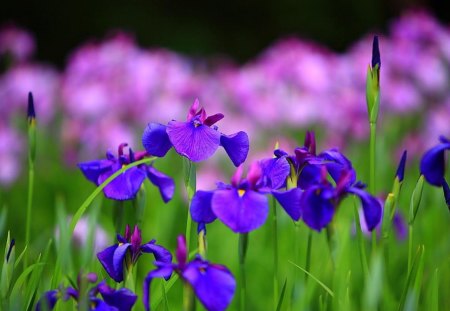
[(275, 254), (31, 159), (190, 180), (242, 251)]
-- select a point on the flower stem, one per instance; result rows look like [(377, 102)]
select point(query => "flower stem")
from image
[(275, 254), (190, 178), (372, 151), (188, 298), (308, 255), (29, 204), (410, 246), (361, 246), (243, 243)]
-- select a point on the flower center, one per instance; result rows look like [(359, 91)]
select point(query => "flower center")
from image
[(241, 192)]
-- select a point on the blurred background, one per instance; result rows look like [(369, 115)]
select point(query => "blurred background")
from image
[(101, 70)]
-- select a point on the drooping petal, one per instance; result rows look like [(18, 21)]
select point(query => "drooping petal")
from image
[(161, 254), (317, 210), (125, 186), (372, 208), (158, 273), (47, 301), (99, 305), (337, 164), (119, 258), (106, 258), (290, 202), (165, 184), (155, 140), (93, 169), (432, 165), (122, 299), (236, 146), (201, 207), (197, 143), (276, 171), (241, 213), (214, 285)]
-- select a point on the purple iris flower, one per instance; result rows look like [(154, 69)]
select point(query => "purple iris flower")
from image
[(243, 206), (112, 300), (432, 165), (126, 185), (319, 202), (213, 284), (196, 139), (127, 251)]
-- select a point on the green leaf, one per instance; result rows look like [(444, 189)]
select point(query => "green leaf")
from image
[(411, 275), (416, 198), (326, 288), (283, 290)]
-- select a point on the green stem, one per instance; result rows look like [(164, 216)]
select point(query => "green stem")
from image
[(99, 189), (330, 237), (361, 246), (275, 254), (372, 189), (410, 246), (243, 243), (190, 184), (188, 298), (308, 255), (29, 204)]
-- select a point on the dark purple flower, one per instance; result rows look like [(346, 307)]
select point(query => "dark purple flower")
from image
[(446, 190), (376, 60), (213, 284), (113, 300), (400, 174), (127, 251), (196, 139), (432, 165), (243, 205), (126, 185)]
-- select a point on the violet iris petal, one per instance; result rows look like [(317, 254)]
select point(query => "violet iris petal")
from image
[(201, 207), (119, 258), (165, 184), (100, 305), (371, 207), (214, 285), (162, 271), (432, 165), (155, 140), (337, 164), (276, 171), (161, 254), (122, 299), (401, 167), (47, 301), (236, 146), (317, 209), (106, 259), (93, 169), (240, 213), (125, 186), (196, 142), (310, 175), (290, 202)]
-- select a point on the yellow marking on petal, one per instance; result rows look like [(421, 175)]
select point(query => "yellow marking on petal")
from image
[(241, 192), (120, 243)]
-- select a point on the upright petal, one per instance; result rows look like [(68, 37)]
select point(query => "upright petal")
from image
[(106, 258), (197, 143), (432, 165), (317, 209), (122, 299), (201, 207), (240, 213), (125, 186), (276, 171), (337, 164), (290, 202), (155, 140), (47, 301), (236, 146), (93, 169), (165, 184), (158, 273), (119, 258), (372, 208), (214, 285), (213, 119)]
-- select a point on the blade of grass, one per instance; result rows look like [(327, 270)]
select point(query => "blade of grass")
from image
[(411, 276), (280, 300), (326, 288)]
